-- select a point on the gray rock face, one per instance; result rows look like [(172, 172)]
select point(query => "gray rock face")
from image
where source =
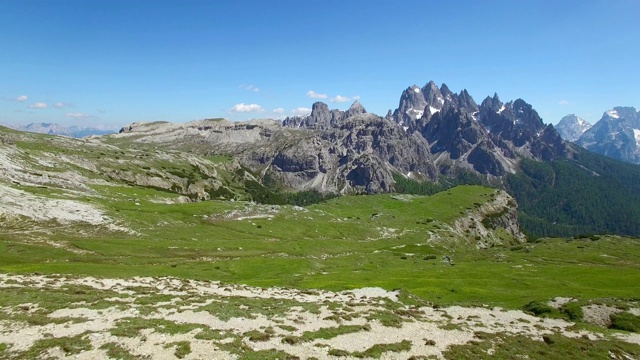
[(432, 95), (323, 118), (360, 155), (355, 109), (571, 127), (616, 134), (411, 107), (492, 103)]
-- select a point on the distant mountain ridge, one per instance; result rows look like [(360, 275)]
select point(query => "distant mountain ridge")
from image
[(571, 127), (616, 135), (57, 129)]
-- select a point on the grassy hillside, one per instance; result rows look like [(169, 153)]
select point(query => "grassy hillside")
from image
[(391, 241)]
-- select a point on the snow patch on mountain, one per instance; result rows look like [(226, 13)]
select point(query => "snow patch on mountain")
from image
[(636, 132), (614, 114)]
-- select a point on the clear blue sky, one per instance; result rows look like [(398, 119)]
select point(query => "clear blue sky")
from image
[(113, 62)]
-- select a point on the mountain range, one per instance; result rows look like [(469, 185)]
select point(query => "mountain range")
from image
[(433, 132), (57, 129), (434, 139)]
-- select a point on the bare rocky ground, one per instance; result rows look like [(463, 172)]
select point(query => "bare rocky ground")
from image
[(167, 318)]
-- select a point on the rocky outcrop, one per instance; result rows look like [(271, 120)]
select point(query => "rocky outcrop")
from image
[(61, 164), (479, 225), (359, 155), (323, 118)]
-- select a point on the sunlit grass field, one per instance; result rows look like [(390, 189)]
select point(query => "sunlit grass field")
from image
[(390, 241)]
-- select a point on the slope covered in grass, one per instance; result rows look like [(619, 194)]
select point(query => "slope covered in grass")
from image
[(390, 241)]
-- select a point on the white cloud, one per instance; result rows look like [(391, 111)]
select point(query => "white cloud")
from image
[(301, 111), (79, 115), (278, 111), (59, 105), (22, 98), (339, 98), (39, 105), (250, 88), (563, 102), (357, 97), (314, 95), (242, 107)]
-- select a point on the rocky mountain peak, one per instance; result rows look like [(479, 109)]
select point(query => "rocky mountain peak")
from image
[(628, 113), (571, 127), (410, 108), (433, 96), (526, 116), (322, 117), (492, 103), (355, 109), (320, 114), (446, 92), (466, 102), (616, 134)]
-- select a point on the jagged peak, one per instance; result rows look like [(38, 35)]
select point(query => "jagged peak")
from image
[(318, 105), (493, 103), (429, 87), (355, 109), (389, 115), (625, 112), (521, 104), (445, 91), (356, 105), (414, 88)]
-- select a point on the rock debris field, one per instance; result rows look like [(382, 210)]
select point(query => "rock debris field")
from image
[(62, 317)]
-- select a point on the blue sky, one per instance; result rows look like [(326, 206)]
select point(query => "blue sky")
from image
[(109, 63)]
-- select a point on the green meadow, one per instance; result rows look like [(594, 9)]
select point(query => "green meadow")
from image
[(389, 241)]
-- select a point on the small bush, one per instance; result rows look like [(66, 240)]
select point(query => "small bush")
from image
[(183, 348), (291, 340), (338, 352), (539, 309), (573, 310), (625, 321), (255, 335), (430, 257)]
